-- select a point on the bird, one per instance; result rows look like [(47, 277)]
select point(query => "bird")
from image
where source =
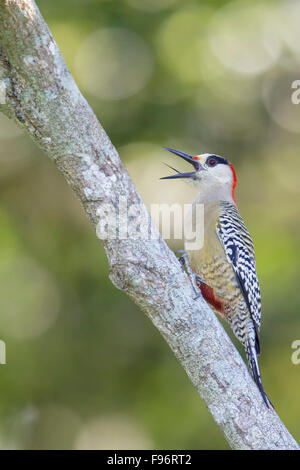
[(224, 268)]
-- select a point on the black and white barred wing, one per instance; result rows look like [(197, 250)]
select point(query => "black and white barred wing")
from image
[(239, 250)]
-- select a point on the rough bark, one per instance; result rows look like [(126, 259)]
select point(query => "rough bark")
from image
[(43, 98)]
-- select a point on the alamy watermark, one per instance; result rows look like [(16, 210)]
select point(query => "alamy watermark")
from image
[(132, 221), (2, 92), (295, 97), (2, 352), (295, 358)]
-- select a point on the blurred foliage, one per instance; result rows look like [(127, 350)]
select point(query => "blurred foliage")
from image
[(85, 368)]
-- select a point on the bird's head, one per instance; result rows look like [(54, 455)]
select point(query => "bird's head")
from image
[(213, 175)]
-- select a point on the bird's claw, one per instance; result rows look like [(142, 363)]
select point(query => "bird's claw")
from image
[(195, 279), (199, 280), (182, 258), (197, 296)]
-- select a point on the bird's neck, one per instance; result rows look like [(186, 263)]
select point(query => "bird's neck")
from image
[(214, 195)]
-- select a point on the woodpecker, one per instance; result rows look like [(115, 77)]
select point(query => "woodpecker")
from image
[(225, 267)]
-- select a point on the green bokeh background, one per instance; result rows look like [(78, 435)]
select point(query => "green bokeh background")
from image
[(85, 368)]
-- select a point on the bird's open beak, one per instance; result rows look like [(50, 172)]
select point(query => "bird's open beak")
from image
[(188, 158)]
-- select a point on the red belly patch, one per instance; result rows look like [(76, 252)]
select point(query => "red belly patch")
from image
[(209, 296)]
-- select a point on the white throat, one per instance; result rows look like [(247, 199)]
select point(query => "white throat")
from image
[(214, 192)]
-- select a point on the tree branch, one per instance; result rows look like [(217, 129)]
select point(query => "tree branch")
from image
[(43, 98)]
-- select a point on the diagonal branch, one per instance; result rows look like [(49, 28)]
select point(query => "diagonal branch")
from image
[(41, 95)]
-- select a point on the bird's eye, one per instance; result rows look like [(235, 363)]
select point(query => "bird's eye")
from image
[(212, 162)]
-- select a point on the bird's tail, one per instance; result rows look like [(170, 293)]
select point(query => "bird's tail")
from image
[(254, 367)]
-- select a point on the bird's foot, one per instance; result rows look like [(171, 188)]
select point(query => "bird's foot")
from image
[(182, 257), (199, 281), (195, 279)]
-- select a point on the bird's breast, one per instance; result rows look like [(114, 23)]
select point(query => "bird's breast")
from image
[(211, 263)]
